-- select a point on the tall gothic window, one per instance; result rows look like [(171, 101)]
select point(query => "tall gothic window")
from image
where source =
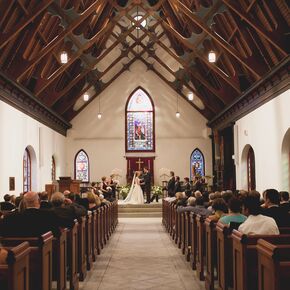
[(26, 171), (53, 168), (82, 166), (251, 171), (140, 134), (197, 164)]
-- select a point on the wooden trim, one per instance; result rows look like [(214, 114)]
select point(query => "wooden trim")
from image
[(24, 101), (126, 111), (274, 83)]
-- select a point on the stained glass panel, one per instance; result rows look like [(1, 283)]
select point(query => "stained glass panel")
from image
[(197, 164), (53, 169), (82, 166), (26, 171), (140, 123)]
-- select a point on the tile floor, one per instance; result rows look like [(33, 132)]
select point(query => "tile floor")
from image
[(141, 255)]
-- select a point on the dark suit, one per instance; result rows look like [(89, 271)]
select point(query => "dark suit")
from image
[(32, 222), (279, 214), (147, 185), (187, 189), (171, 186), (177, 187), (68, 213), (45, 204), (6, 205), (286, 206)]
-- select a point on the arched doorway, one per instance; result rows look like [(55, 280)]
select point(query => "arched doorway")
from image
[(29, 169), (285, 162), (248, 168)]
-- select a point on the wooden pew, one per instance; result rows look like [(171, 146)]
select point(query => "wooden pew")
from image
[(193, 240), (89, 253), (210, 253), (187, 237), (82, 257), (245, 259), (273, 265), (94, 229), (15, 274), (59, 259), (72, 256), (178, 228), (200, 238), (40, 259), (98, 231), (182, 232)]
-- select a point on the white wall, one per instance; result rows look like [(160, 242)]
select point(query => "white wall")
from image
[(104, 140), (17, 131), (264, 129)]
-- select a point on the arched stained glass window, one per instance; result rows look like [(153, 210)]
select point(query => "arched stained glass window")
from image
[(53, 169), (26, 171), (140, 122), (82, 166), (251, 171), (197, 164)]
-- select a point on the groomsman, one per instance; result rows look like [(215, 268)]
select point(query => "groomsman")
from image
[(187, 187), (171, 185), (146, 180), (177, 185)]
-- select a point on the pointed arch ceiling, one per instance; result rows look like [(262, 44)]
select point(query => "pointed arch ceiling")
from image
[(103, 38)]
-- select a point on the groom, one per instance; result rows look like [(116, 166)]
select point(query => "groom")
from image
[(146, 183)]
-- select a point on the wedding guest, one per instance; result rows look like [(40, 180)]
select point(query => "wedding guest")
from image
[(177, 185), (105, 189), (189, 206), (234, 215), (7, 205), (256, 223), (44, 203), (227, 195), (220, 209), (200, 209), (273, 209), (284, 200), (94, 201), (171, 185), (187, 187)]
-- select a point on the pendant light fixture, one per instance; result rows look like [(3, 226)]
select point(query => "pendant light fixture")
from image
[(63, 57), (190, 96), (212, 56), (99, 114), (177, 114), (86, 96)]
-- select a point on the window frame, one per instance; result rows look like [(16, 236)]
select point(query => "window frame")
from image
[(75, 168)]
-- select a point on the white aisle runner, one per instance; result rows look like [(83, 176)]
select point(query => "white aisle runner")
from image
[(141, 255)]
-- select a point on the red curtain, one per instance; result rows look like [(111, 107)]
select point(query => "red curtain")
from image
[(138, 163)]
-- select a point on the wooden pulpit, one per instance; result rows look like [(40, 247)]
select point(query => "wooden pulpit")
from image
[(66, 183)]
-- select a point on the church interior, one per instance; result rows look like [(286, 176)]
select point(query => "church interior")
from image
[(187, 100)]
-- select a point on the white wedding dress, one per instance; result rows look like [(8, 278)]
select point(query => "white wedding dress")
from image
[(135, 195)]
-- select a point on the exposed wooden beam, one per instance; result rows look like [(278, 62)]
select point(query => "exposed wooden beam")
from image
[(271, 37), (40, 8), (225, 45)]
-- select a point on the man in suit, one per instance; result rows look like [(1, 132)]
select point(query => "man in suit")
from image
[(146, 182), (177, 185), (66, 213), (187, 187), (284, 203), (171, 185), (273, 209), (7, 204), (32, 222)]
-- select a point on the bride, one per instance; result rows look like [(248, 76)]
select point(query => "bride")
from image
[(135, 195)]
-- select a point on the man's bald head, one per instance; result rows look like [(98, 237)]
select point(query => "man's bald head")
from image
[(31, 199)]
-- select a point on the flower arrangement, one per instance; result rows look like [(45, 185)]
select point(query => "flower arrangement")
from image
[(156, 189), (124, 190)]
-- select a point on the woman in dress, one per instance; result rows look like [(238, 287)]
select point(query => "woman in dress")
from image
[(135, 195)]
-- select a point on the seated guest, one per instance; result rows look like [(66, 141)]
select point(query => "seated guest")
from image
[(284, 200), (200, 208), (44, 203), (187, 187), (66, 213), (178, 197), (235, 208), (227, 195), (177, 185), (7, 204), (197, 194), (220, 209), (273, 209), (32, 222), (189, 206), (256, 223), (94, 201)]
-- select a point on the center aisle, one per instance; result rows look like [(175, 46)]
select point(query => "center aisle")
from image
[(141, 255)]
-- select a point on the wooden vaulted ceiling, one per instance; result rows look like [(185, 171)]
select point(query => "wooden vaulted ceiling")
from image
[(103, 39)]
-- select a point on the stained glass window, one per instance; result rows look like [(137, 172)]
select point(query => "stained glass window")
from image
[(140, 122), (197, 164), (53, 174), (26, 171), (251, 169), (82, 166)]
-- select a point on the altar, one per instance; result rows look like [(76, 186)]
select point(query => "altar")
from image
[(138, 163)]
